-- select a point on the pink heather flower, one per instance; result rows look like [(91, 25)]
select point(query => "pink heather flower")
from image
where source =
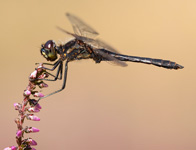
[(17, 106), (11, 148), (33, 109), (33, 149), (32, 117), (43, 85), (43, 76), (27, 93), (19, 133), (35, 129), (33, 103), (37, 94), (40, 66), (33, 74), (31, 141), (38, 106), (31, 130)]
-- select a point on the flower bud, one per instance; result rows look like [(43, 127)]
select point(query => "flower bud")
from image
[(11, 148), (43, 85), (17, 106), (32, 117), (31, 130), (30, 141), (27, 92), (37, 106), (40, 65), (19, 133), (37, 94), (33, 74), (43, 76), (33, 109), (40, 68)]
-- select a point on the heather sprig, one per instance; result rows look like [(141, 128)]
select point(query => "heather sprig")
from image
[(27, 109)]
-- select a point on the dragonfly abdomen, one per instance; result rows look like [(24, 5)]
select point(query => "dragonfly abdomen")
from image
[(166, 64), (157, 62)]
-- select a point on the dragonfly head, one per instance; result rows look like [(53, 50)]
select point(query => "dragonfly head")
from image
[(49, 51)]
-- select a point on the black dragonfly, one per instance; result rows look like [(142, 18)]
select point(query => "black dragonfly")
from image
[(85, 46)]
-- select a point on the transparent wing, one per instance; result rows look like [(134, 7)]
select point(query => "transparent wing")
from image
[(85, 33), (80, 28), (63, 30), (106, 46), (110, 59), (97, 46)]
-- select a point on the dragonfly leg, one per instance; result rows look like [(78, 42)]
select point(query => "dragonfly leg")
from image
[(63, 86), (47, 63), (54, 67), (57, 74)]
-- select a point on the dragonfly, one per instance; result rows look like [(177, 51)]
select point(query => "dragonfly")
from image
[(84, 45)]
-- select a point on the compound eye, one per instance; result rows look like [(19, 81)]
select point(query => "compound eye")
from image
[(49, 44), (44, 52)]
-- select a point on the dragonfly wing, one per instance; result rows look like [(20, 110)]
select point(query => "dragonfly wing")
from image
[(63, 30), (98, 45), (106, 46), (86, 40), (86, 34), (111, 59), (80, 28)]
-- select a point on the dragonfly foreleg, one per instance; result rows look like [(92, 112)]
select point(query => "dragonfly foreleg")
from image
[(63, 86), (57, 74), (47, 63), (55, 65)]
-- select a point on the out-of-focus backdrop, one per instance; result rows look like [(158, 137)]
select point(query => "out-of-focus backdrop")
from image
[(104, 107)]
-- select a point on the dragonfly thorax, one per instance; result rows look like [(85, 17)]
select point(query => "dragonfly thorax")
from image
[(49, 50)]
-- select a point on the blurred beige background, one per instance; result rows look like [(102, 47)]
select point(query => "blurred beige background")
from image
[(104, 107)]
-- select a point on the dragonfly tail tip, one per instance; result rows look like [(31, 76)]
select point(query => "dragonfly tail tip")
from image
[(179, 66)]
